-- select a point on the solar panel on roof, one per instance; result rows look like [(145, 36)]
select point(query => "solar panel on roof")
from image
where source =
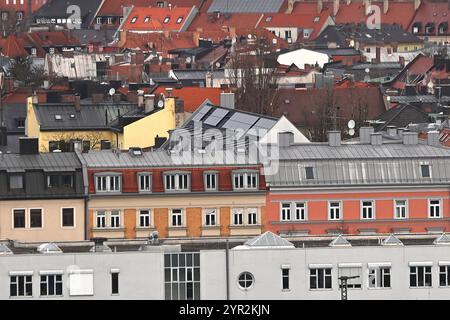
[(264, 123), (240, 121), (216, 117), (201, 113)]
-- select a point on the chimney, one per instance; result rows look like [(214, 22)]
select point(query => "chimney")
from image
[(77, 103), (149, 103), (319, 6), (392, 131), (35, 98), (385, 6), (97, 97), (227, 100), (416, 4), (400, 132), (169, 92), (285, 139), (140, 99), (410, 138), (364, 134), (376, 139), (334, 138), (78, 146), (28, 145), (433, 138), (335, 7)]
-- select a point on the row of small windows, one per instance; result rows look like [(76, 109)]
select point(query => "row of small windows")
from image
[(378, 277), (148, 19), (177, 181), (57, 180), (297, 211), (33, 218), (239, 217)]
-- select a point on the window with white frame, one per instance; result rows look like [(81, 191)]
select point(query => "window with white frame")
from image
[(238, 216), (293, 211), (21, 286), (33, 51), (420, 276), (68, 217), (100, 219), (285, 278), (210, 217), (51, 285), (300, 211), (144, 218), (401, 209), (434, 208), (379, 277), (444, 276), (177, 217), (19, 219), (367, 209), (110, 20), (145, 182), (252, 216), (35, 218), (51, 50), (210, 181), (245, 180), (177, 181), (99, 20), (319, 278), (246, 280), (354, 283), (425, 170), (285, 211), (334, 210), (114, 218), (107, 183)]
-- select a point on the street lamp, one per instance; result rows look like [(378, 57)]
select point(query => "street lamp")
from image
[(344, 280)]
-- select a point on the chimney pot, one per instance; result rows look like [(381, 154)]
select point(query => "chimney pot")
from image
[(376, 139), (149, 103), (433, 138), (169, 92), (77, 103), (334, 138), (364, 134), (285, 139), (410, 138), (392, 131), (227, 100)]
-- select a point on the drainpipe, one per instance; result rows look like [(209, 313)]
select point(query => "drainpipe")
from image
[(86, 193), (227, 271)]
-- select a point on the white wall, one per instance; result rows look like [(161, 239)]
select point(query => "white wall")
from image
[(283, 125), (301, 57)]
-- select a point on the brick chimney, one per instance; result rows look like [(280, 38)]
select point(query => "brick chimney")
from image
[(77, 103)]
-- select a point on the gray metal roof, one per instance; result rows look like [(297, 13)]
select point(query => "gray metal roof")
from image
[(193, 74), (426, 98), (357, 164), (246, 6), (64, 161), (268, 239)]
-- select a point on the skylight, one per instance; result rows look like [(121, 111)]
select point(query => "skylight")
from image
[(179, 19), (166, 19), (268, 19), (147, 19), (133, 20), (316, 19), (58, 117)]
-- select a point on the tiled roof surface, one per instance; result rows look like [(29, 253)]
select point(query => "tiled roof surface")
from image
[(193, 97), (156, 19), (431, 12)]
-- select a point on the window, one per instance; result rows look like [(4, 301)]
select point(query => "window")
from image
[(320, 278), (252, 216), (420, 276), (16, 181), (51, 50), (115, 219), (285, 278), (351, 272), (177, 181), (306, 34), (19, 218), (238, 217), (179, 20), (5, 15), (334, 210), (81, 282), (287, 34), (444, 276), (51, 285), (160, 4), (425, 170), (177, 217), (144, 218), (368, 50), (21, 286), (245, 280), (434, 208), (99, 20), (245, 180), (19, 15), (110, 20), (300, 211), (379, 277), (182, 276), (286, 211), (389, 50), (145, 182), (35, 218), (147, 19), (210, 217), (100, 219), (105, 183), (52, 181), (133, 20), (309, 171), (20, 123), (210, 180), (68, 217), (367, 210), (401, 211), (114, 283), (166, 20)]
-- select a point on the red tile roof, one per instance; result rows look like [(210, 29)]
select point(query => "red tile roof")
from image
[(153, 19), (193, 97), (209, 22), (13, 47), (431, 12)]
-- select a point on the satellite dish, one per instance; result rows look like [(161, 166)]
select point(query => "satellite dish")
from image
[(188, 59), (367, 70), (351, 132), (351, 124), (161, 104), (112, 92), (218, 64), (249, 36)]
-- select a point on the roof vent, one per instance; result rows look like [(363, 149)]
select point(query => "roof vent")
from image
[(49, 248), (392, 241), (340, 241), (4, 249), (99, 245), (135, 152), (268, 239), (442, 240)]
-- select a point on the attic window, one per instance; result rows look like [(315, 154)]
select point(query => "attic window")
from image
[(166, 19), (309, 171), (287, 101), (72, 116), (133, 20), (425, 168), (179, 20), (147, 19), (58, 117), (269, 18), (316, 19)]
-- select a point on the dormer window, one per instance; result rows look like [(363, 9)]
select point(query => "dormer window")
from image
[(108, 182), (211, 180), (443, 28), (425, 170), (309, 172), (51, 50), (429, 28), (245, 180), (58, 117), (33, 51), (16, 181), (110, 20), (99, 20), (145, 182), (166, 19), (177, 181)]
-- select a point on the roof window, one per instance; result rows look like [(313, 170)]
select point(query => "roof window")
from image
[(133, 20), (179, 20), (166, 19)]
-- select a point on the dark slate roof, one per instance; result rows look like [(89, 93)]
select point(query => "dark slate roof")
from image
[(401, 116), (55, 161), (425, 98), (90, 117), (246, 6), (194, 74), (88, 36), (11, 112), (339, 51), (58, 9)]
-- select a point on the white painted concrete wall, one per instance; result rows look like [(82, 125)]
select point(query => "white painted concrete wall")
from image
[(301, 57)]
